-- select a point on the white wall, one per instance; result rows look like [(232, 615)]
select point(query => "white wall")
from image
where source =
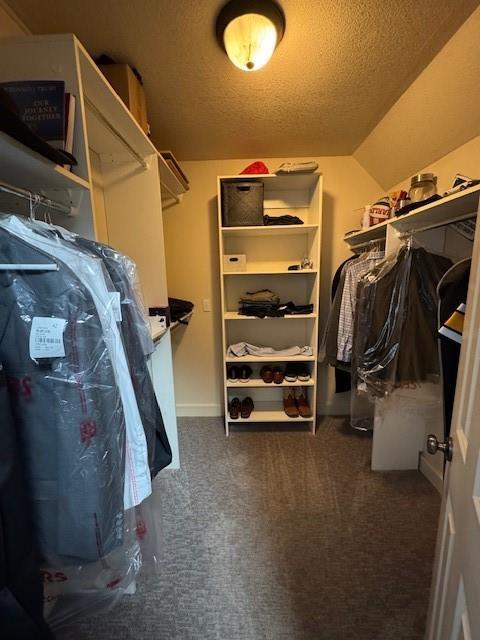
[(192, 269), (10, 25), (465, 160), (436, 114)]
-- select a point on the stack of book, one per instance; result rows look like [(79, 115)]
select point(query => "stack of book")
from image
[(45, 107)]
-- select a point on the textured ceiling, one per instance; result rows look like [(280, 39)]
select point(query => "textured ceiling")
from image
[(339, 68)]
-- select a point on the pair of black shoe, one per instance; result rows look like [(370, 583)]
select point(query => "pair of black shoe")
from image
[(241, 374), (240, 409)]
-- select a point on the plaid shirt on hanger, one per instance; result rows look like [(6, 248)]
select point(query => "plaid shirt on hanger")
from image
[(355, 270)]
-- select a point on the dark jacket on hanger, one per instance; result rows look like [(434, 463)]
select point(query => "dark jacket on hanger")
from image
[(137, 347), (67, 410), (395, 333), (343, 378), (21, 595), (452, 291), (333, 318)]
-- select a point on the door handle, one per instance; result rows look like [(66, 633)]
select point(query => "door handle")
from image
[(433, 445)]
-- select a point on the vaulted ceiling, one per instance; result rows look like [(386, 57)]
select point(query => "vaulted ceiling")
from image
[(339, 68)]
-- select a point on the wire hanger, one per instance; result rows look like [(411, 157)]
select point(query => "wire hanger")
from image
[(34, 202)]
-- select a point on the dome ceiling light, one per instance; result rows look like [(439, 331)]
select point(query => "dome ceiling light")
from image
[(249, 31)]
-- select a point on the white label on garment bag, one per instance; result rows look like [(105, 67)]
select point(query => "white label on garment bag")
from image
[(46, 338), (116, 305)]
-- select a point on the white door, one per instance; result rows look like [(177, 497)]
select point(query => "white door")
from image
[(455, 600)]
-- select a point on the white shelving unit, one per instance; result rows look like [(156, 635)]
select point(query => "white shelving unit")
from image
[(269, 251), (115, 190), (397, 442), (455, 208)]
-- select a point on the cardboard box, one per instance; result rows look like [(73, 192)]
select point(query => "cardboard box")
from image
[(128, 87)]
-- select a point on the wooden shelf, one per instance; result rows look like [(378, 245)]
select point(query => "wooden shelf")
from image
[(283, 182), (234, 315), (258, 383), (272, 272), (269, 359), (22, 167), (172, 188), (377, 232), (454, 208), (270, 230), (269, 415)]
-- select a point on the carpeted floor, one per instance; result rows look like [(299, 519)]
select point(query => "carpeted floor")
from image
[(279, 535)]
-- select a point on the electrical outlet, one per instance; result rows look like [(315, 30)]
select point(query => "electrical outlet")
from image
[(207, 306)]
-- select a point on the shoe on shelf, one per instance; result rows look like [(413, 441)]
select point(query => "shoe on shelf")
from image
[(289, 404), (234, 408), (302, 402), (245, 373), (232, 374), (291, 372), (303, 373), (246, 407), (266, 373), (278, 375)]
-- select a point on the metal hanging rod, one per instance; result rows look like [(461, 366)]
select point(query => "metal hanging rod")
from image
[(370, 243), (35, 198), (115, 133), (28, 267)]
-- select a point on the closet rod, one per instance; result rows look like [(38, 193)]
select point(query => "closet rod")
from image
[(36, 198), (28, 267), (114, 132), (435, 225), (370, 243)]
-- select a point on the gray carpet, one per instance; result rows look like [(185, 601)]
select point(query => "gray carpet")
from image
[(280, 535)]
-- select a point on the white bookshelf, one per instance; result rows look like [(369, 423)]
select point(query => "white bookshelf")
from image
[(115, 191), (269, 251)]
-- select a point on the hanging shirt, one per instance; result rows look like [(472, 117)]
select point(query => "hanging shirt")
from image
[(354, 271)]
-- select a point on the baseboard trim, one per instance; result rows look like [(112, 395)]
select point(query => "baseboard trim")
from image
[(199, 410), (432, 475)]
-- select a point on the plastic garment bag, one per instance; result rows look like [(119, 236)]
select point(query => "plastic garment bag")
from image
[(65, 365), (395, 342), (138, 345)]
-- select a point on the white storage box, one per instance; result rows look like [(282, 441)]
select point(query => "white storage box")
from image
[(235, 262)]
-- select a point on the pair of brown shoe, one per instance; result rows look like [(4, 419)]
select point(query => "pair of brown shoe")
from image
[(275, 375), (295, 403), (239, 408)]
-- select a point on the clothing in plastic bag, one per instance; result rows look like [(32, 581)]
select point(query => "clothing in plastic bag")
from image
[(66, 405), (138, 345), (395, 341), (95, 280), (21, 597), (84, 448)]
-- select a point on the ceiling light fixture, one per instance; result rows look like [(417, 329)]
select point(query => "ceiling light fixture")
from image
[(249, 31)]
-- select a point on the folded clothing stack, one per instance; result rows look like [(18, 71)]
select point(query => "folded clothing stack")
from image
[(286, 219), (260, 304), (266, 303)]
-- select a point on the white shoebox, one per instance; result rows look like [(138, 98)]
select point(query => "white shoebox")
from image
[(235, 262)]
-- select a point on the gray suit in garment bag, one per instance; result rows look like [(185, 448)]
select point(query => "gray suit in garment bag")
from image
[(133, 327), (67, 409)]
